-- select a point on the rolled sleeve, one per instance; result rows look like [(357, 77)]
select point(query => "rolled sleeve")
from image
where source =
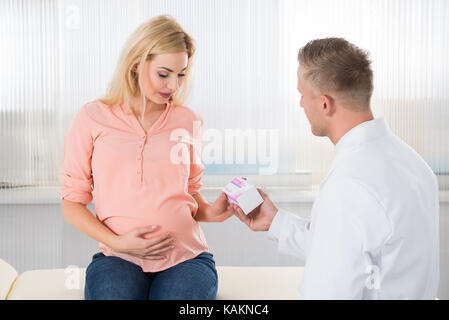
[(195, 179), (196, 166), (76, 171)]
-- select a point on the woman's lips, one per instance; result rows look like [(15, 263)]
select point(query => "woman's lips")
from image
[(165, 95)]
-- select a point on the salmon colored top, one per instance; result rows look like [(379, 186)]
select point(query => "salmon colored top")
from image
[(138, 178)]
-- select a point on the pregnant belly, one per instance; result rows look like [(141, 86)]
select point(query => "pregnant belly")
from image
[(189, 237), (179, 224)]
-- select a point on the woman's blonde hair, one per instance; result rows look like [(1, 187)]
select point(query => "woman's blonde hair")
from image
[(161, 34)]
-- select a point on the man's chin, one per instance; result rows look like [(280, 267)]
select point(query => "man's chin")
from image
[(317, 133)]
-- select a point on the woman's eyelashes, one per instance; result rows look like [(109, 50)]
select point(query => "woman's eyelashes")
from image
[(166, 75)]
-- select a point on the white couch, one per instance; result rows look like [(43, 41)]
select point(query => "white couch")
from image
[(235, 283)]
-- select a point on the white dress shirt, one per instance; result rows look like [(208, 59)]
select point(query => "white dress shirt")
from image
[(374, 228)]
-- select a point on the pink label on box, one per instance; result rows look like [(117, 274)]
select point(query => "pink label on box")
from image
[(238, 183)]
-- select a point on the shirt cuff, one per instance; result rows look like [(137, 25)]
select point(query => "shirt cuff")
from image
[(274, 232)]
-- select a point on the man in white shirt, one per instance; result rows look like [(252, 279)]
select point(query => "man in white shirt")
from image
[(374, 228)]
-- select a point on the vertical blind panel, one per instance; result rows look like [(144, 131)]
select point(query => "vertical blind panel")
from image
[(238, 81), (55, 57), (58, 55), (29, 101), (408, 42), (91, 35)]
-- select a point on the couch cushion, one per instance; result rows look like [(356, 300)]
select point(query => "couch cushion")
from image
[(7, 276), (51, 284), (235, 283), (258, 283)]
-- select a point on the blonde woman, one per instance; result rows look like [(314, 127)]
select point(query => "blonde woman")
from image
[(126, 148)]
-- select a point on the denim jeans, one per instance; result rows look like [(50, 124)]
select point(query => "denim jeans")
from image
[(113, 278)]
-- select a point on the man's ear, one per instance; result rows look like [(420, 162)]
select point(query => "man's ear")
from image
[(327, 105)]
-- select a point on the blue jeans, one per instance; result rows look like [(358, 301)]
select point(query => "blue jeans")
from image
[(113, 278)]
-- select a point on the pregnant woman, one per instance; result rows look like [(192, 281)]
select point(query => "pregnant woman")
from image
[(138, 149)]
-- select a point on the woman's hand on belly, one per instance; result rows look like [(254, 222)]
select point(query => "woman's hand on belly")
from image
[(135, 244)]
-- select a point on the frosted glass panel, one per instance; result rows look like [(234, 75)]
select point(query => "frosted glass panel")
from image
[(29, 82), (408, 41), (238, 82), (57, 55)]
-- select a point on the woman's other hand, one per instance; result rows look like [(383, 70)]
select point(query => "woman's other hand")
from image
[(220, 210)]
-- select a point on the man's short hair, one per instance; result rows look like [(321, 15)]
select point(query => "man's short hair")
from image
[(336, 67)]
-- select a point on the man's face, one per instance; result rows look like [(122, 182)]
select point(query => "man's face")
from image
[(311, 103)]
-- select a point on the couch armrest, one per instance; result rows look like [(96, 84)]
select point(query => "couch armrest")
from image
[(50, 284), (7, 277)]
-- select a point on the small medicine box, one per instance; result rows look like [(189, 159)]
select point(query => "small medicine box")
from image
[(243, 194)]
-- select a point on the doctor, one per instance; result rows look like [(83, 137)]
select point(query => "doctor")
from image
[(373, 232)]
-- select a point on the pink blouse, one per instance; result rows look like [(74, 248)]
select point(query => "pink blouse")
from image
[(138, 178)]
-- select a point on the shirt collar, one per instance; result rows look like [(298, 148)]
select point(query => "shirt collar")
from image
[(160, 122), (362, 133)]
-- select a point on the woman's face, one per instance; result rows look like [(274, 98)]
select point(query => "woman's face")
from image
[(162, 76)]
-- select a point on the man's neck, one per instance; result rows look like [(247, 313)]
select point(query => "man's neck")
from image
[(347, 122)]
